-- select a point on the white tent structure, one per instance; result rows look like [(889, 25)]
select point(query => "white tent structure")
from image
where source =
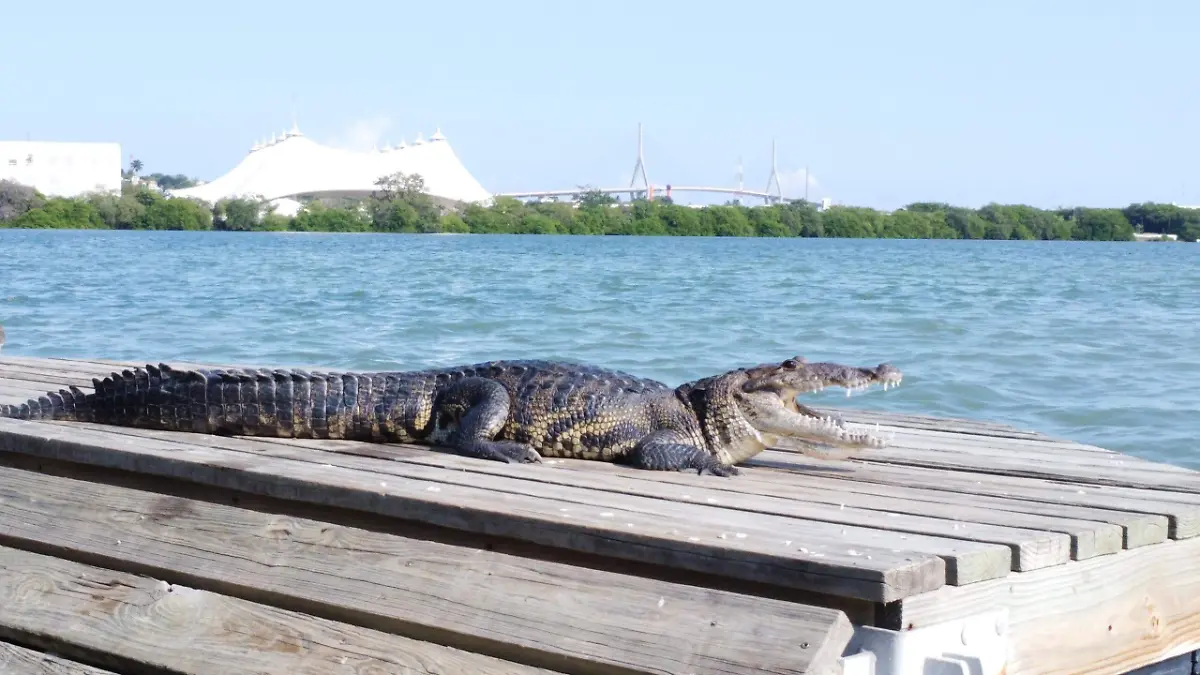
[(294, 165)]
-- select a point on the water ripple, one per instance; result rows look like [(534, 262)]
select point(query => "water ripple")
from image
[(1099, 342)]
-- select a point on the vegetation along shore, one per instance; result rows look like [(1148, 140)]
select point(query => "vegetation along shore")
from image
[(399, 205)]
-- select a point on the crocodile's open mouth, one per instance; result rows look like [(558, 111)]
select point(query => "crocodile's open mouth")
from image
[(769, 404)]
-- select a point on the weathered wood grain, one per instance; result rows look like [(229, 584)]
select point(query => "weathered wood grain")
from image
[(957, 425), (1076, 465), (10, 393), (1180, 508), (571, 618), (15, 660), (128, 622), (1106, 615), (824, 564), (982, 445), (41, 377), (1030, 548), (1093, 531)]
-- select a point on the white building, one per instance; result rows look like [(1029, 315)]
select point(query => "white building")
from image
[(293, 165), (58, 169)]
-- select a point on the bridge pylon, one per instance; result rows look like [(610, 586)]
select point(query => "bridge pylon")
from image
[(640, 166), (774, 177)]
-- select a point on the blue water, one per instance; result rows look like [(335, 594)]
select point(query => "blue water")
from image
[(1097, 342)]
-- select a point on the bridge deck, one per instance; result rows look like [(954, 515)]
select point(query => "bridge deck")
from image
[(275, 555)]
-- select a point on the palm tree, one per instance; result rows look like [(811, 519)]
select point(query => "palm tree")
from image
[(135, 165)]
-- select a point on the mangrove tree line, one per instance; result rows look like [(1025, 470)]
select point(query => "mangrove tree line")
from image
[(400, 205)]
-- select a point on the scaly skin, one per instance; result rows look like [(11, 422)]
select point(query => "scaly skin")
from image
[(502, 410)]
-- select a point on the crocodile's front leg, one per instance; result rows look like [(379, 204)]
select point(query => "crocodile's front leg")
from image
[(475, 410), (668, 450)]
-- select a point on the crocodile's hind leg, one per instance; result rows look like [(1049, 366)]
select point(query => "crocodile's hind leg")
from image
[(480, 407), (667, 450)]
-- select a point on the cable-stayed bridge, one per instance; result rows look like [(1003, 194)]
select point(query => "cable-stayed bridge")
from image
[(647, 190)]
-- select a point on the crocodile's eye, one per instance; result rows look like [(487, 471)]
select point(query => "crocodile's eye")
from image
[(790, 364)]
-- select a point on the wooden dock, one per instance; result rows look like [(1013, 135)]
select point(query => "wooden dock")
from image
[(962, 545)]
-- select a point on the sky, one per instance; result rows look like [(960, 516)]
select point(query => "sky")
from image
[(1049, 103)]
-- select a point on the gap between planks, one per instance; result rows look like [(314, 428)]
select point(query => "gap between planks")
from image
[(17, 660), (540, 613), (870, 573), (132, 623), (1085, 539), (1181, 509), (1030, 548)]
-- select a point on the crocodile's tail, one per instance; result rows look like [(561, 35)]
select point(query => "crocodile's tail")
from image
[(124, 397), (154, 397), (64, 404), (253, 402)]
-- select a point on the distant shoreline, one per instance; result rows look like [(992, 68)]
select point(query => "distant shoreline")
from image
[(1145, 240), (402, 206)]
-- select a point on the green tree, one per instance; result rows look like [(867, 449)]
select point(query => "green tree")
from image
[(274, 222), (1102, 225), (452, 222), (726, 221), (316, 217), (239, 214), (176, 214), (60, 213), (802, 218), (401, 204), (588, 197), (850, 221), (172, 182), (681, 221), (118, 212), (767, 222), (17, 198)]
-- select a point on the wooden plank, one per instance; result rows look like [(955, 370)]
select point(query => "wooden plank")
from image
[(823, 565), (911, 447), (914, 421), (1106, 615), (539, 612), (1030, 548), (127, 622), (15, 660), (51, 363), (1138, 536), (1182, 510), (1115, 470), (968, 559), (1091, 532), (981, 445), (1091, 529), (15, 393), (42, 376)]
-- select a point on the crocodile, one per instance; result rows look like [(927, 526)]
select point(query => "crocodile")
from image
[(508, 411)]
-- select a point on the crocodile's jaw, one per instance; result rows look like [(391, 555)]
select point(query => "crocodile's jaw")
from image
[(777, 418), (748, 443)]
